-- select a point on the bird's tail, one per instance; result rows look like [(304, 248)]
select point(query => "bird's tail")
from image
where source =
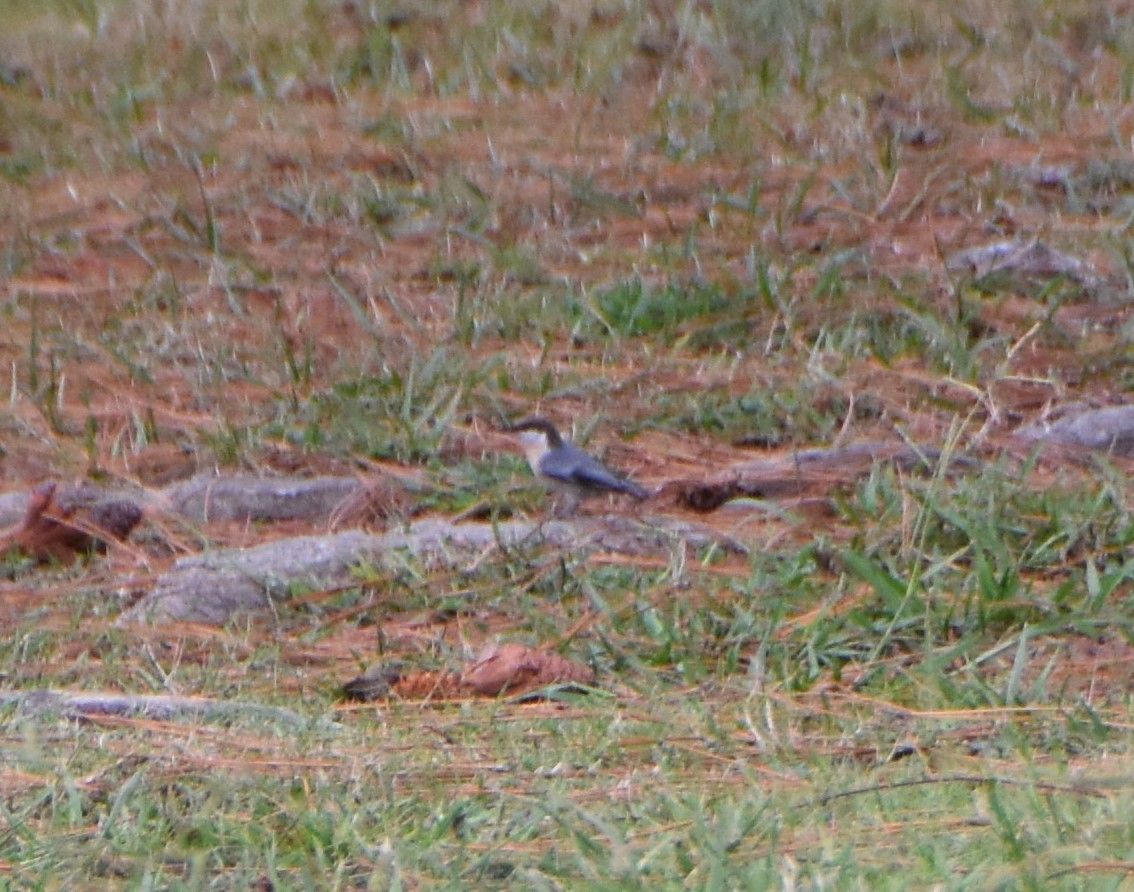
[(638, 492)]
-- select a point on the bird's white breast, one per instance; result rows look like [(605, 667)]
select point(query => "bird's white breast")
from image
[(535, 448)]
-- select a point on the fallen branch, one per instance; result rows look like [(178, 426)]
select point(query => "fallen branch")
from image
[(212, 587), (802, 475), (248, 499), (84, 704), (1110, 430)]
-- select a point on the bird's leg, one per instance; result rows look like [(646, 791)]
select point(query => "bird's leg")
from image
[(566, 502)]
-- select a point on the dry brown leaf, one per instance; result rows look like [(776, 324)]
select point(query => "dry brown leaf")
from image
[(515, 668)]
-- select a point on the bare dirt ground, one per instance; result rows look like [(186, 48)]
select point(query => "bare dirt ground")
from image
[(131, 344), (227, 260), (259, 251)]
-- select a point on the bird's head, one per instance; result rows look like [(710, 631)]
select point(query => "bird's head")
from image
[(537, 437)]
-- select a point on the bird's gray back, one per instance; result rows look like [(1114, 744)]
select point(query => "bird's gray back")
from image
[(572, 465)]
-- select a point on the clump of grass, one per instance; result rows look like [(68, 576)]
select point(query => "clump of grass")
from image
[(769, 414), (398, 415), (636, 308)]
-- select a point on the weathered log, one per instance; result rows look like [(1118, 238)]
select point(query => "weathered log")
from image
[(214, 586), (245, 498), (79, 704), (1110, 429), (803, 475)]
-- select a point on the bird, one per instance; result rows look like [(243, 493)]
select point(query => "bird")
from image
[(571, 471)]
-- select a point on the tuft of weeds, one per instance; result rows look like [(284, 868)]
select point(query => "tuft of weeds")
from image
[(700, 315), (767, 415), (398, 415)]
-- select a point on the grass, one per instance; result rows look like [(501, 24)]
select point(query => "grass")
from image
[(285, 234)]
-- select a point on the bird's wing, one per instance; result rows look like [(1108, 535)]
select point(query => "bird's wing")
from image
[(571, 465)]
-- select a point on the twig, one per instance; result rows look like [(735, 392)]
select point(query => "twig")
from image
[(963, 779)]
